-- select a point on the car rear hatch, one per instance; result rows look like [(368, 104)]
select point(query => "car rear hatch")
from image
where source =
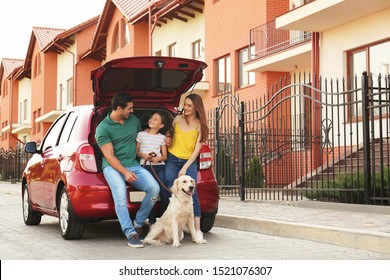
[(152, 81)]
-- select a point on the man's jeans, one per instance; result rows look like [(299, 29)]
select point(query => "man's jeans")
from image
[(172, 168), (117, 184)]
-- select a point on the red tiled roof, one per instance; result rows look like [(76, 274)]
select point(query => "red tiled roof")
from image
[(130, 8), (45, 35), (11, 64)]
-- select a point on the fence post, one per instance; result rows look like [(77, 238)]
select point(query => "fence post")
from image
[(366, 138), (241, 152), (216, 144)]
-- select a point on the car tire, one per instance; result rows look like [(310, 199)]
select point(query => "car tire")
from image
[(207, 222), (71, 226), (30, 217)]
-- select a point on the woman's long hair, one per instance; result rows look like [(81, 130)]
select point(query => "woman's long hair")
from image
[(201, 115)]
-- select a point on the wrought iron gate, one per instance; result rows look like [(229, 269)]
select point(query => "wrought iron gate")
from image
[(321, 139)]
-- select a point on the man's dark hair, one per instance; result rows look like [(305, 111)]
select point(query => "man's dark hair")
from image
[(121, 100)]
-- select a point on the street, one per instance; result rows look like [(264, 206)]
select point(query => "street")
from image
[(104, 241)]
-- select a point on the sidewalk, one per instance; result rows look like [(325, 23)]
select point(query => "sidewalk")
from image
[(354, 226)]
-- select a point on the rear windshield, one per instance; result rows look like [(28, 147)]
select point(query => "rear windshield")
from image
[(162, 80)]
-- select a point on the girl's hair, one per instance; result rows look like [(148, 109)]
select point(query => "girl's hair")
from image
[(166, 120), (201, 115)]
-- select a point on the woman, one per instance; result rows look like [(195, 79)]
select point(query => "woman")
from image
[(190, 131)]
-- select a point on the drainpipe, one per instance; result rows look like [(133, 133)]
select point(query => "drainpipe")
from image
[(74, 71), (316, 126), (151, 29), (10, 106)]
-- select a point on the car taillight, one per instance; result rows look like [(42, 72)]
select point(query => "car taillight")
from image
[(86, 157), (205, 158)]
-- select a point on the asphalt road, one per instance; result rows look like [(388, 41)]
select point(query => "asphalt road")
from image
[(105, 242)]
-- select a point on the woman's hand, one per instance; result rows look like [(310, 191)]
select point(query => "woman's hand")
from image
[(168, 141), (182, 171)]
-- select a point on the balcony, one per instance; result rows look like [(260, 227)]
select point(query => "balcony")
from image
[(275, 49), (50, 116), (323, 15), (19, 128)]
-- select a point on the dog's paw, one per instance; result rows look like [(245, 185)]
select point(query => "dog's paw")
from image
[(176, 244), (153, 242), (200, 241)]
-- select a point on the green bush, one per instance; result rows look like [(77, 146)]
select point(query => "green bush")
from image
[(254, 177), (226, 168), (348, 188)]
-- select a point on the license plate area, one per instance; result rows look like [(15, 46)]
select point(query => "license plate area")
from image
[(138, 196)]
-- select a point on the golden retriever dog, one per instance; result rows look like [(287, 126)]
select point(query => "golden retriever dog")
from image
[(178, 216)]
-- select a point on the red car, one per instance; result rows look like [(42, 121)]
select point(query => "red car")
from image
[(64, 178)]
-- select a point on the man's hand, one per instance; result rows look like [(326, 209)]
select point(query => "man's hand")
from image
[(130, 177)]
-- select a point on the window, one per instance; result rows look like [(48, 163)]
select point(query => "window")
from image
[(69, 91), (172, 50), (125, 33), (20, 111), (51, 138), (37, 67), (38, 125), (375, 60), (224, 71), (245, 78), (34, 124), (115, 40), (196, 50), (4, 135), (25, 107), (68, 131), (59, 96)]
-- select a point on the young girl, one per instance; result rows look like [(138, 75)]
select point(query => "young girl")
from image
[(151, 149), (190, 131)]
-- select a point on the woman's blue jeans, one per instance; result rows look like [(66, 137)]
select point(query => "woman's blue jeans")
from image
[(117, 184), (172, 168)]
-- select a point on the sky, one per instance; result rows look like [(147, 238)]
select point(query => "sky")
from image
[(18, 17)]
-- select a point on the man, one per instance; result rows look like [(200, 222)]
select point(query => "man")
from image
[(116, 137)]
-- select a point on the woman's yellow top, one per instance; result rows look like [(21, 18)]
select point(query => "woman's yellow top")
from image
[(183, 142)]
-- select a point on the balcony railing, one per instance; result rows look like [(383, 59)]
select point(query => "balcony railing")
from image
[(267, 39)]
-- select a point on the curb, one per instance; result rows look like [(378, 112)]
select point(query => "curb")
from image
[(363, 240)]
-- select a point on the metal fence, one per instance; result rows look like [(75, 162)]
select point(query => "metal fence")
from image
[(323, 139), (12, 163)]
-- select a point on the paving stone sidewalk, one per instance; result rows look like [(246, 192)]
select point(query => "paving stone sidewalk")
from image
[(355, 226)]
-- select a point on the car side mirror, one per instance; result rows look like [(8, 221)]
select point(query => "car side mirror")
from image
[(31, 147)]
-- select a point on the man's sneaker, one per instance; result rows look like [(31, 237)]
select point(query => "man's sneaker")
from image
[(199, 235), (134, 241), (140, 233)]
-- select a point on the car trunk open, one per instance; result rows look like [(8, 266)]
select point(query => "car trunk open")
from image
[(150, 80)]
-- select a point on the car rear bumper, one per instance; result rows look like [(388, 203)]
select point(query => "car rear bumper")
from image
[(92, 198)]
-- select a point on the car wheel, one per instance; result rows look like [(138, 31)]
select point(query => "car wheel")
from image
[(30, 217), (71, 226), (207, 222)]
